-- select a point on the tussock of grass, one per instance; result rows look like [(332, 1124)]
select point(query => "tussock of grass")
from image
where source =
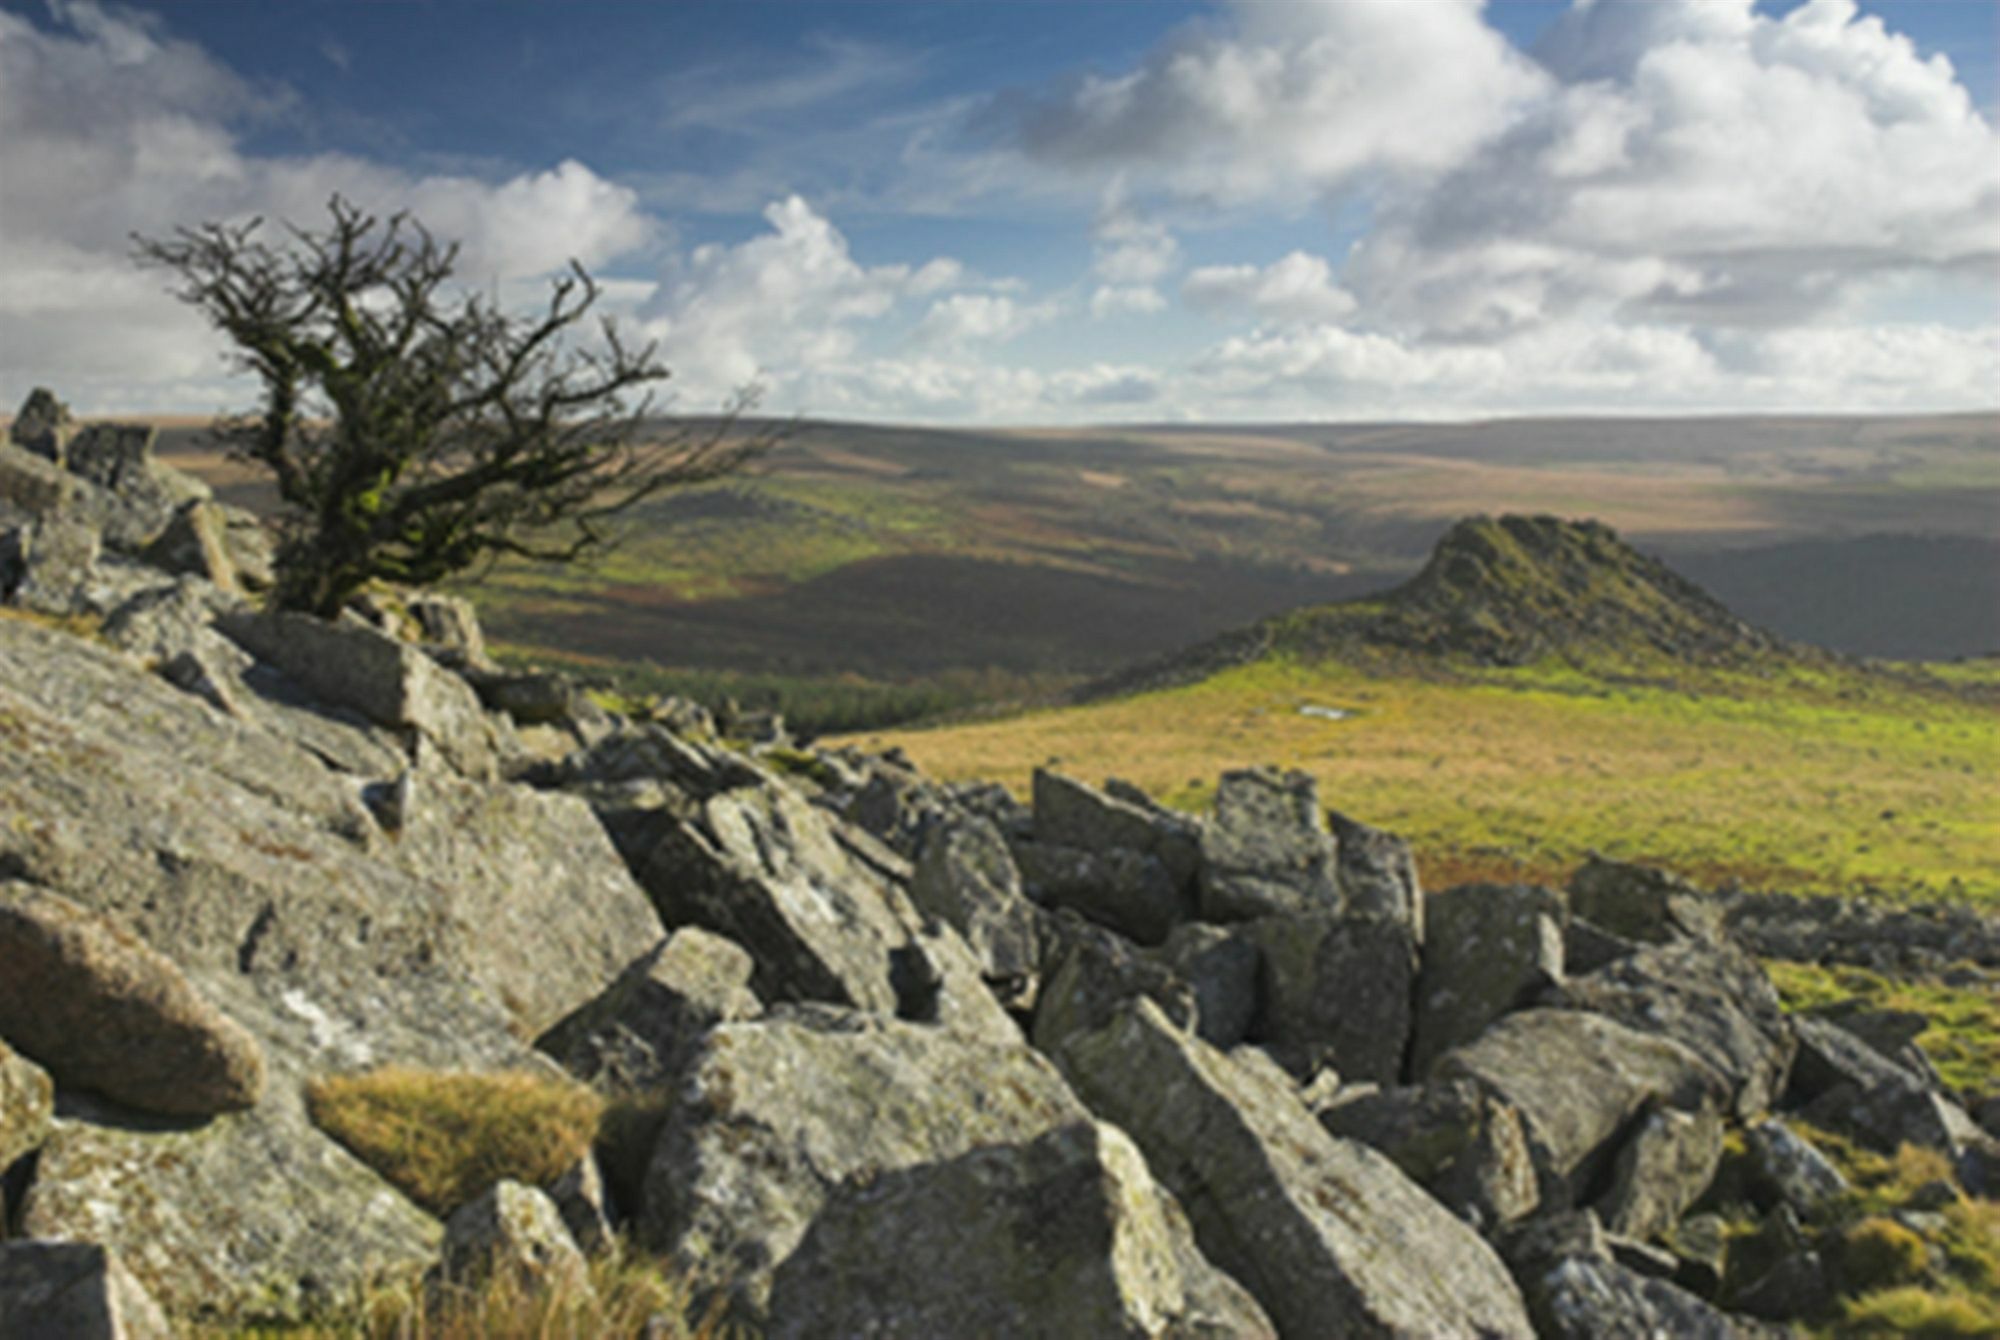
[(442, 1137), (1923, 1314), (628, 1295), (1879, 1253)]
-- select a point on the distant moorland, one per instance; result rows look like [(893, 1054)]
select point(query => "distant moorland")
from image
[(868, 573)]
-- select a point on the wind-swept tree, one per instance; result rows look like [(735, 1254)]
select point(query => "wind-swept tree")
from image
[(415, 428)]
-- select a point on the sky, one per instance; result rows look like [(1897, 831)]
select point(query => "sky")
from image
[(1059, 211)]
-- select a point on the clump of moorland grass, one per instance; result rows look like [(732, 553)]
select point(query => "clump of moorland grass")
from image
[(1923, 1314), (444, 1137), (629, 1296), (1879, 1253)]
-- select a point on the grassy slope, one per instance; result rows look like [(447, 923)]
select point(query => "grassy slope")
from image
[(1821, 779)]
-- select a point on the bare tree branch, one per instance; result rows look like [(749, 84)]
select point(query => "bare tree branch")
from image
[(414, 432)]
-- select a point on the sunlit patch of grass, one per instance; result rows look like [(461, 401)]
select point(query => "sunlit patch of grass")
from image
[(444, 1137), (1923, 1314), (1814, 779), (1962, 1040), (629, 1296)]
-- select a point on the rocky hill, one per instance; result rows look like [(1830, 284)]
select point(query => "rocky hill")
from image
[(912, 1060), (1502, 591)]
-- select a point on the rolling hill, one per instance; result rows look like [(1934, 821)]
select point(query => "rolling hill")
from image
[(1539, 691), (1032, 559)]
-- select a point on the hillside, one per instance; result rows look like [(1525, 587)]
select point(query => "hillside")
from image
[(1539, 691), (351, 984), (922, 567)]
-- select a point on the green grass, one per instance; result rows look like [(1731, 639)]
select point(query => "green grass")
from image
[(1822, 779), (443, 1138), (1929, 1276), (1920, 1314), (812, 705), (1963, 1039)]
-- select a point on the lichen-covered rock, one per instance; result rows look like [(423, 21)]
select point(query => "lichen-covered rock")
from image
[(1583, 1299), (1576, 1290), (34, 486), (449, 626), (253, 553), (820, 908), (1337, 991), (196, 541), (516, 1232), (27, 1101), (1642, 903), (1225, 970), (1576, 1079), (635, 1035), (1459, 1142), (43, 426), (57, 559), (1488, 949), (1668, 1160), (347, 663), (1831, 1057), (253, 1212), (511, 856), (1377, 875), (1088, 975), (966, 877), (1710, 997), (584, 1202), (1120, 817), (102, 1010), (140, 494), (1124, 890), (1065, 1235), (1267, 849), (73, 1291), (1790, 1170), (1588, 947), (770, 1115), (232, 847), (1328, 1235)]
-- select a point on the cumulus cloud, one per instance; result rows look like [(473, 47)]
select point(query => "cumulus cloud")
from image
[(965, 318), (110, 125), (1297, 288), (1284, 98), (786, 304), (1126, 300), (1700, 162)]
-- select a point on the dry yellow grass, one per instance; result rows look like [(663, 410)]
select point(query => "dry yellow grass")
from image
[(1832, 783), (629, 1297), (444, 1137)]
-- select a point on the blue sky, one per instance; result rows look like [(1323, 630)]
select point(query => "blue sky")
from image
[(1057, 211)]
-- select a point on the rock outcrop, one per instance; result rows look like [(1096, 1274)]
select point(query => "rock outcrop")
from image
[(1327, 1234), (882, 1055), (1065, 1235), (770, 1116), (102, 1011)]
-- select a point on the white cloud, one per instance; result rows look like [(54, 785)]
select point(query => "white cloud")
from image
[(786, 303), (1701, 162), (109, 126), (1131, 249), (1296, 288), (1288, 98), (1126, 300), (964, 318)]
